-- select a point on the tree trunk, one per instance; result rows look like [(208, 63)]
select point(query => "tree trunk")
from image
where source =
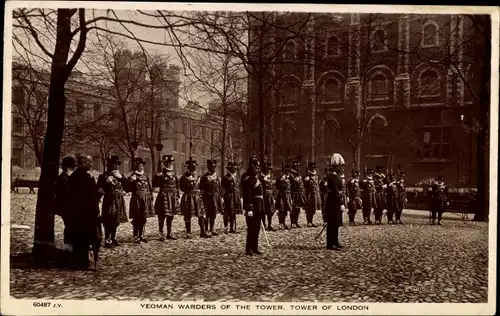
[(356, 153), (44, 216)]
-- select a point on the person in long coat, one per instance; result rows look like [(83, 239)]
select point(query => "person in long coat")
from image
[(112, 185), (141, 201), (392, 198), (232, 198), (380, 187), (354, 194), (269, 202), (368, 196), (332, 211), (401, 197), (63, 196), (191, 204), (253, 203), (298, 194), (166, 205), (84, 215), (439, 199), (284, 196), (210, 186), (313, 195)]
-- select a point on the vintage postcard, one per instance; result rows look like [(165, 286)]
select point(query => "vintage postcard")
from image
[(231, 158)]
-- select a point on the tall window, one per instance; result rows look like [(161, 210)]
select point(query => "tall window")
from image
[(378, 41), (17, 125), (379, 87), (290, 93), (333, 48), (429, 83), (17, 157), (433, 143), (331, 90), (18, 95), (378, 137), (289, 52), (430, 35)]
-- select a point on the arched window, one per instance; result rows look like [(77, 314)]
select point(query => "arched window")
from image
[(378, 136), (289, 52), (429, 83), (430, 35), (331, 90), (379, 41), (333, 46), (331, 137), (379, 87), (289, 93)]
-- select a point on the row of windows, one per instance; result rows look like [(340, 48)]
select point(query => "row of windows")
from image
[(331, 89), (430, 38)]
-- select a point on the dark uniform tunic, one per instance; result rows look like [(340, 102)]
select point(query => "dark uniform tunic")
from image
[(368, 197), (284, 197), (63, 203), (311, 185), (141, 202), (210, 186), (267, 186), (439, 199), (380, 181), (332, 212), (392, 200), (190, 201), (298, 192), (232, 196), (323, 189), (113, 204), (401, 198), (354, 194), (253, 200), (166, 201)]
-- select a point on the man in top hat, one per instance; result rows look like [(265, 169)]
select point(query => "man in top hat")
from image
[(392, 198), (311, 184), (210, 186), (166, 202), (269, 202), (284, 197), (380, 186), (191, 201), (112, 185), (232, 197), (298, 193), (354, 194), (332, 211), (439, 199), (368, 196), (401, 196), (253, 204), (63, 196)]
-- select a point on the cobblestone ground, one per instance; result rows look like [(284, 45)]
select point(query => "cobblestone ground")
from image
[(414, 262)]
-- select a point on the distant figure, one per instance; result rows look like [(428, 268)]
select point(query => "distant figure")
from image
[(63, 196), (84, 216), (232, 198), (368, 196), (392, 199), (14, 185), (284, 197), (112, 184), (141, 202), (253, 203), (166, 204), (211, 194), (354, 194), (439, 199), (402, 200), (313, 195), (380, 186)]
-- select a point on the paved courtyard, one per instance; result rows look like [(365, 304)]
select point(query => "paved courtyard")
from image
[(414, 262)]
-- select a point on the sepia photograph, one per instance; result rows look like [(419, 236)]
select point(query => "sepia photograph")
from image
[(169, 158)]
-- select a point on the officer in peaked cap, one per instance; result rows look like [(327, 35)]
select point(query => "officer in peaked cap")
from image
[(253, 204), (211, 194)]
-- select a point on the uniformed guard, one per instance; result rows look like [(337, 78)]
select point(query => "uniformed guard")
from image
[(63, 197), (141, 201), (298, 193), (210, 186), (401, 197), (368, 196), (232, 198), (166, 204), (354, 194), (392, 198), (191, 204), (380, 186), (439, 199), (284, 197), (112, 184), (332, 211), (314, 201), (323, 187), (269, 202), (253, 203)]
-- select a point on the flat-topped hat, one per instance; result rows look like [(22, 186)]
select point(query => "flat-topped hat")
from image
[(369, 171), (254, 162), (167, 158), (114, 160), (269, 165), (355, 172), (68, 161), (211, 162), (379, 168), (441, 177), (191, 162), (230, 164), (139, 160), (312, 164)]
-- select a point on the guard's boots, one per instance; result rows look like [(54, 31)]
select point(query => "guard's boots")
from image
[(169, 228), (203, 233), (188, 229)]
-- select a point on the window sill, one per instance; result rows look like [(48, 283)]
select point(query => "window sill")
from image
[(331, 102), (377, 156), (420, 95), (432, 160), (378, 99)]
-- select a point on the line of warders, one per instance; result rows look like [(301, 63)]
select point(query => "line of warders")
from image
[(209, 195)]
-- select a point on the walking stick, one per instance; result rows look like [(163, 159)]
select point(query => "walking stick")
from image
[(324, 227), (265, 234)]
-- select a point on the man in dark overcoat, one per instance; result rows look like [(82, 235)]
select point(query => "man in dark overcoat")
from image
[(332, 211), (253, 204), (439, 199), (84, 216), (63, 196), (232, 198)]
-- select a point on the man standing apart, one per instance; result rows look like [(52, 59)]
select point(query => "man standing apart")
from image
[(439, 199), (253, 204), (332, 212), (84, 217), (401, 197), (63, 196)]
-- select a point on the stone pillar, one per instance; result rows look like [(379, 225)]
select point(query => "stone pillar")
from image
[(402, 84)]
